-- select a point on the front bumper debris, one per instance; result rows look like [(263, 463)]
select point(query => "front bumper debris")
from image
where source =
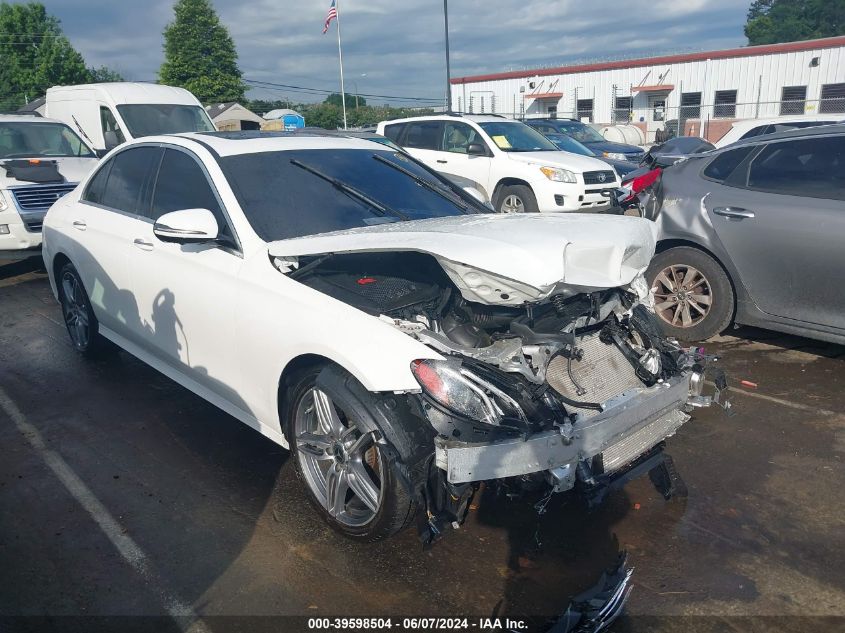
[(630, 425)]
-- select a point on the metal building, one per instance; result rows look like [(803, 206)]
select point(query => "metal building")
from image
[(702, 93)]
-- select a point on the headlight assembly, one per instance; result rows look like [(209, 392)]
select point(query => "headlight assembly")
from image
[(3, 203), (464, 393), (614, 156), (559, 175)]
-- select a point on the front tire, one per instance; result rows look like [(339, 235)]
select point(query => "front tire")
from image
[(80, 321), (341, 455), (517, 199), (693, 297)]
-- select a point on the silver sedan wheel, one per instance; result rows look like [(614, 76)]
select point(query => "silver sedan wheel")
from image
[(75, 309), (682, 296), (512, 204), (339, 460)]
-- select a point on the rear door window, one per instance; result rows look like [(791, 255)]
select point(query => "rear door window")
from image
[(423, 135), (394, 131), (128, 186), (810, 167), (721, 167)]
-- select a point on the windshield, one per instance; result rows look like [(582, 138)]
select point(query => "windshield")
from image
[(40, 140), (288, 194), (513, 136), (580, 132), (149, 119), (569, 144)]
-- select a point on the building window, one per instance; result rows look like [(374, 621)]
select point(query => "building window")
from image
[(690, 105), (585, 109), (482, 105), (833, 98), (552, 111), (622, 110), (471, 104), (493, 104), (459, 105), (725, 104), (792, 99)]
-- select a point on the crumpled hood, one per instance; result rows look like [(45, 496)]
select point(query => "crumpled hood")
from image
[(73, 169), (505, 259), (566, 160)]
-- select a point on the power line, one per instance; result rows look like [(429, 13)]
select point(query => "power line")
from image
[(293, 88)]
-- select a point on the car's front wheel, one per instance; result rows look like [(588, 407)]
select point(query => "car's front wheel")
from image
[(693, 297), (341, 455), (81, 323), (517, 199)]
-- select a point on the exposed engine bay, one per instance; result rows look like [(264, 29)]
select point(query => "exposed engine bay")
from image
[(579, 389)]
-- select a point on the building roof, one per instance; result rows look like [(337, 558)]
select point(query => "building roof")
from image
[(217, 109), (745, 51), (33, 105)]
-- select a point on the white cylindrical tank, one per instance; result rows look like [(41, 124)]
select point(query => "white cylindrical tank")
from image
[(628, 134)]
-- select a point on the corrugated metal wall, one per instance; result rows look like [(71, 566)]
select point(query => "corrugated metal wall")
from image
[(758, 80)]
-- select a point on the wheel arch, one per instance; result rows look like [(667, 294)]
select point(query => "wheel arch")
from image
[(59, 261), (507, 182)]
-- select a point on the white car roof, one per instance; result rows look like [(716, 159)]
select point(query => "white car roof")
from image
[(253, 142), (476, 118), (752, 123), (125, 92), (26, 118)]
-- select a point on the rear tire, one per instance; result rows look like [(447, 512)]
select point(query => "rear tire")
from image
[(80, 321), (693, 296), (316, 447), (516, 199)]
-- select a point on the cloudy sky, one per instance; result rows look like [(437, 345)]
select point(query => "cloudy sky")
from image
[(395, 47)]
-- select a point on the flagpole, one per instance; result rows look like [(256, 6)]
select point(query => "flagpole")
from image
[(340, 57)]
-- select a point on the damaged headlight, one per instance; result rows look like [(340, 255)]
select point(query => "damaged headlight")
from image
[(447, 383)]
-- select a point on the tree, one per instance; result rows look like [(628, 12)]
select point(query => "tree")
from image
[(773, 21), (35, 54), (103, 74), (351, 100), (199, 54)]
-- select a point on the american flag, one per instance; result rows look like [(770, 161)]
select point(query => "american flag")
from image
[(332, 15)]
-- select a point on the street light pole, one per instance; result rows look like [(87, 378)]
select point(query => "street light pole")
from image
[(448, 70)]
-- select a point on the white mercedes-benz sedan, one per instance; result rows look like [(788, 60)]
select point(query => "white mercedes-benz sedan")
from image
[(341, 298)]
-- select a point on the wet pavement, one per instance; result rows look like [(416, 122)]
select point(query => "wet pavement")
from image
[(221, 527)]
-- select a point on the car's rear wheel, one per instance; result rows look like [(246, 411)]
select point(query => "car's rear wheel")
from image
[(517, 199), (81, 323), (693, 297), (341, 455)]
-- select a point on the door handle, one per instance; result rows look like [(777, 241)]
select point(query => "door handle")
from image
[(143, 244), (733, 213), (442, 162), (79, 225)]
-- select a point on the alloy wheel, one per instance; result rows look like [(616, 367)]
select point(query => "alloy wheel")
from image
[(512, 204), (682, 296), (339, 460), (75, 309)]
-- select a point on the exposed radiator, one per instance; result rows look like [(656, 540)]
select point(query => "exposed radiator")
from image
[(604, 372), (639, 442)]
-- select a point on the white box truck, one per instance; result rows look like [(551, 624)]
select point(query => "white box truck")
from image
[(107, 114)]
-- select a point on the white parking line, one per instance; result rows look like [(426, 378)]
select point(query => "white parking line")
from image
[(124, 544)]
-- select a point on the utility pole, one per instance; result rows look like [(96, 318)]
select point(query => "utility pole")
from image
[(448, 70)]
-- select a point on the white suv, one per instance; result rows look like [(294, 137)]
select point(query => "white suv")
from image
[(518, 168), (40, 161)]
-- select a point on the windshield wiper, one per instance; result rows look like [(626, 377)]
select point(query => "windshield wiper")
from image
[(352, 192), (442, 191)]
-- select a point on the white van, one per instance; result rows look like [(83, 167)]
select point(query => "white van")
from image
[(108, 114)]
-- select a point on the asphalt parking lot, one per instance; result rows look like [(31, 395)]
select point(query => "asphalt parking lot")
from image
[(122, 494)]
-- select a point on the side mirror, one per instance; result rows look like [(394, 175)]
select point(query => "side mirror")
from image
[(188, 226), (101, 153), (476, 149), (110, 139)]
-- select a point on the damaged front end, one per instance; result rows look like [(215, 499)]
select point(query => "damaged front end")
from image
[(574, 388)]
